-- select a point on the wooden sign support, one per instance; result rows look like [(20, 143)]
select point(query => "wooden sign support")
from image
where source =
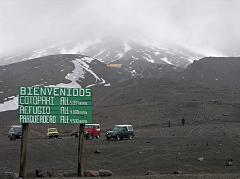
[(80, 150), (23, 152)]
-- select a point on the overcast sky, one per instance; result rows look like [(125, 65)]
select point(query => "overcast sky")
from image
[(209, 27)]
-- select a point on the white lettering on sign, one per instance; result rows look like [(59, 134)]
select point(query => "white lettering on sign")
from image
[(64, 119), (34, 109), (36, 100), (45, 91), (67, 101), (37, 119)]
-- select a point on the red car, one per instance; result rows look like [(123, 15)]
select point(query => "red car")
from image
[(90, 131)]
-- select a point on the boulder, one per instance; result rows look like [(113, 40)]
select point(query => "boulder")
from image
[(229, 162), (69, 174), (10, 175), (50, 174), (38, 173), (91, 173), (97, 151), (200, 159), (149, 172), (105, 173), (47, 173), (178, 172)]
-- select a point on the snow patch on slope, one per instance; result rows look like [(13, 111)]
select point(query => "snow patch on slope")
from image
[(119, 55), (149, 59), (38, 53), (136, 58), (192, 59), (73, 77), (126, 47), (9, 105), (99, 53), (166, 60)]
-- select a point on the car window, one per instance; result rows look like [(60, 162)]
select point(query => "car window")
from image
[(17, 129), (88, 126), (116, 128), (130, 128), (124, 129), (52, 130)]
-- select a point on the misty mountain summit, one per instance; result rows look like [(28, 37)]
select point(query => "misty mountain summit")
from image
[(115, 50)]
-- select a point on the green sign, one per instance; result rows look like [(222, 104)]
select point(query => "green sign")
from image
[(49, 105)]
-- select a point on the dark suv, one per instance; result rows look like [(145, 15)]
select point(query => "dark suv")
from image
[(120, 132), (15, 132)]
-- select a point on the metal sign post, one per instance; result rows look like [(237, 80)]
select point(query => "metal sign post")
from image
[(23, 152), (80, 149)]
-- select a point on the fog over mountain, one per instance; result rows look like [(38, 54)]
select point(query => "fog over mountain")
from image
[(209, 28)]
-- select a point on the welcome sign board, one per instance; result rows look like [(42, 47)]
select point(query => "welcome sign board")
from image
[(52, 105)]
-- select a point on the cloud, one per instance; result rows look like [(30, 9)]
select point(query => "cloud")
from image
[(206, 27)]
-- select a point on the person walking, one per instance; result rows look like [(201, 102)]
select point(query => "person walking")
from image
[(169, 123), (183, 121)]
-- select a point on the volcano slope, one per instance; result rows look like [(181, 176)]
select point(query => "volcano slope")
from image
[(211, 131)]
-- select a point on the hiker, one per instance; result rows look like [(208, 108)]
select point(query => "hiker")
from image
[(183, 121), (169, 123)]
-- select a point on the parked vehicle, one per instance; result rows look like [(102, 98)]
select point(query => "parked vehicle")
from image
[(90, 131), (120, 132), (15, 132), (52, 132), (74, 134)]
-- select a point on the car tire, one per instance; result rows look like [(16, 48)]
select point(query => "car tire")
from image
[(130, 137), (74, 136), (13, 137), (118, 137), (108, 138), (98, 136), (89, 136)]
